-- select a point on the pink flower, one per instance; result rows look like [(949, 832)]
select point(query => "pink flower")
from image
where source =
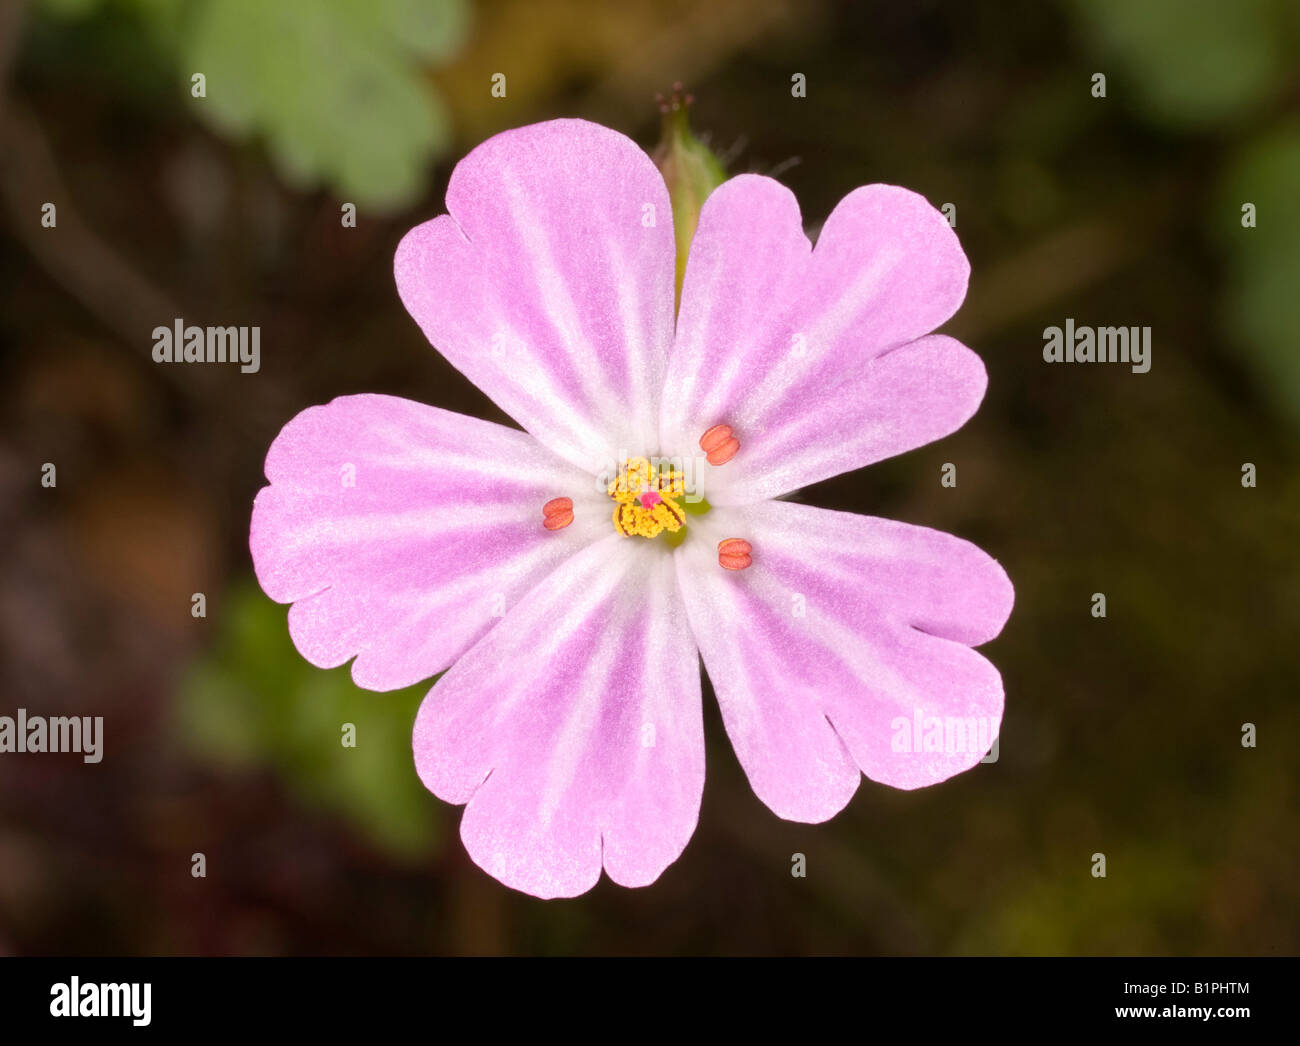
[(562, 576)]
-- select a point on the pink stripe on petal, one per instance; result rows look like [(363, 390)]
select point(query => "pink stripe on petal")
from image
[(845, 633), (550, 284), (402, 533), (746, 262), (891, 404), (574, 732), (791, 347)]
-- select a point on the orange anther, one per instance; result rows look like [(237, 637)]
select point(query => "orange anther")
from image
[(557, 513), (734, 553), (715, 437), (723, 452)]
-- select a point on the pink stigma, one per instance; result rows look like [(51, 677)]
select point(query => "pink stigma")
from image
[(650, 499)]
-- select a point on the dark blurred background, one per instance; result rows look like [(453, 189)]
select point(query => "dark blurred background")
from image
[(1122, 736)]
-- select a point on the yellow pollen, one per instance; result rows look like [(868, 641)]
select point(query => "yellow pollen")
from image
[(648, 499)]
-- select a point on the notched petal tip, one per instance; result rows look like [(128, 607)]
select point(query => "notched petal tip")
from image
[(580, 758)]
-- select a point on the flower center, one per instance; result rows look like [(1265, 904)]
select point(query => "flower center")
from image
[(648, 498)]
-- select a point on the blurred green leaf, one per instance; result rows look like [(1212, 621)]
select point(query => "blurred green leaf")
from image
[(1261, 307), (335, 87), (1194, 63), (253, 702)]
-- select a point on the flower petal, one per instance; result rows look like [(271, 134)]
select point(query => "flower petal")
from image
[(904, 399), (402, 533), (574, 732), (550, 284), (841, 634), (795, 349)]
